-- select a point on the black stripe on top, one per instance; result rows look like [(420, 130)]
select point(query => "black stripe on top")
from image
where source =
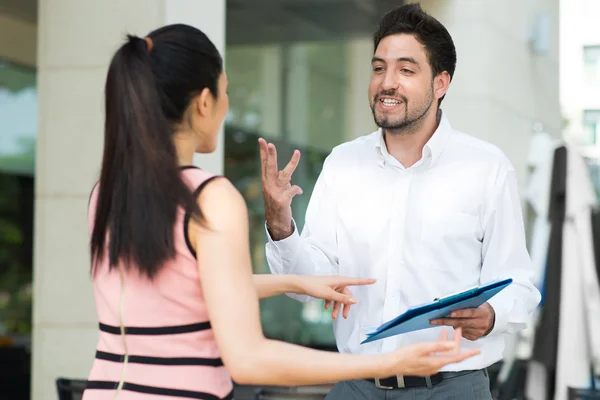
[(186, 220), (132, 387), (197, 361), (159, 330)]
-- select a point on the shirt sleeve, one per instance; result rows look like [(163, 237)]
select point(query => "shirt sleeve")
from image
[(504, 255), (314, 251)]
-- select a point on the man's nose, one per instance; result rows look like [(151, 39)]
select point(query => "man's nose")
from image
[(390, 82)]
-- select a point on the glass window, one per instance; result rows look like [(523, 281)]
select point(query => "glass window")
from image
[(591, 63), (18, 131), (18, 127), (299, 79), (18, 118), (591, 125)]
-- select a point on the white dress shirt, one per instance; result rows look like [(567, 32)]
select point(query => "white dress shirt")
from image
[(450, 222)]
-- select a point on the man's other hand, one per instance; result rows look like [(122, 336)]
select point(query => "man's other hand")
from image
[(475, 322)]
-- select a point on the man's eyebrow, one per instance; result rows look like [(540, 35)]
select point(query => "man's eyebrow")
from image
[(400, 59)]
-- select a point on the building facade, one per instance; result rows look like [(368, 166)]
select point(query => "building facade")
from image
[(298, 71), (580, 72)]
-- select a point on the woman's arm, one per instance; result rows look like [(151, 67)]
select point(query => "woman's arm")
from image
[(232, 300), (273, 285), (330, 288)]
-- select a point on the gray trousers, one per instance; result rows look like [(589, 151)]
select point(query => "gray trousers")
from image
[(468, 385)]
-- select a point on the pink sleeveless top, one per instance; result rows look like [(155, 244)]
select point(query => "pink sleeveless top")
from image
[(168, 350)]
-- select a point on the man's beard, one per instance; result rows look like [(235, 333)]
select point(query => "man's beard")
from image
[(407, 123)]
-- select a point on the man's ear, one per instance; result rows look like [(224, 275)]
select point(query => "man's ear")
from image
[(441, 83), (203, 102)]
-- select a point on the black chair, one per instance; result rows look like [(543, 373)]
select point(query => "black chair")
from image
[(70, 389), (513, 388), (584, 394), (15, 376)]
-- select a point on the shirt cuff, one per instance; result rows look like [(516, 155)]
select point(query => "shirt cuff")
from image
[(287, 248), (501, 312)]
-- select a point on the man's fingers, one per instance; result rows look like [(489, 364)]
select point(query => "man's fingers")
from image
[(327, 304), (466, 313), (262, 145), (457, 322), (289, 169), (471, 337), (271, 160), (472, 334), (293, 191), (448, 322)]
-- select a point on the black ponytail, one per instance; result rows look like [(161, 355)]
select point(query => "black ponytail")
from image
[(148, 88)]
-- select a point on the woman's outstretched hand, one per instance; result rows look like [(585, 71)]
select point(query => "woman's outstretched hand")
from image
[(332, 289), (424, 359)]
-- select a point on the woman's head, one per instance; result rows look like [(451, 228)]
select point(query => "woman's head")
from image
[(191, 85), (165, 98)]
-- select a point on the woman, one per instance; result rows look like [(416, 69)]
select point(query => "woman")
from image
[(175, 295)]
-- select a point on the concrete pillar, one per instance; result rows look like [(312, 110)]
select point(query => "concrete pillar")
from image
[(75, 43), (271, 94), (359, 116)]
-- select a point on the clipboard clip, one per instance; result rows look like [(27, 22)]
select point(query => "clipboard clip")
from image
[(455, 293)]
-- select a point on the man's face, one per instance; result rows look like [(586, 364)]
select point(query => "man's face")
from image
[(401, 91)]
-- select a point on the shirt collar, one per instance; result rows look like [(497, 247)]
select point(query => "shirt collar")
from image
[(432, 149)]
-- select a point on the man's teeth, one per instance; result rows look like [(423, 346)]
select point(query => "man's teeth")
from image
[(390, 102)]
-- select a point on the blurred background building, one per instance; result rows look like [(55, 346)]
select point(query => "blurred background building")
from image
[(580, 77), (298, 71)]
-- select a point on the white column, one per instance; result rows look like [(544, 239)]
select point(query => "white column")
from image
[(208, 16), (358, 115), (75, 42)]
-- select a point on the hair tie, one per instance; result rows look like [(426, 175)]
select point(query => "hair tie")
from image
[(149, 43)]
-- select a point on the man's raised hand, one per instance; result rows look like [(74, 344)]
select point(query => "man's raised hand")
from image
[(278, 190)]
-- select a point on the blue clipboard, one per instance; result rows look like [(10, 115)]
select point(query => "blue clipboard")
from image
[(418, 318)]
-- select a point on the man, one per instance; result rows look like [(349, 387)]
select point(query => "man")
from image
[(421, 207)]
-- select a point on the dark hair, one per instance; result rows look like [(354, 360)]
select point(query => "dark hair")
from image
[(149, 87), (411, 19)]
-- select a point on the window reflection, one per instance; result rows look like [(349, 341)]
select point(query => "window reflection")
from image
[(18, 127), (18, 131), (18, 118), (295, 95)]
